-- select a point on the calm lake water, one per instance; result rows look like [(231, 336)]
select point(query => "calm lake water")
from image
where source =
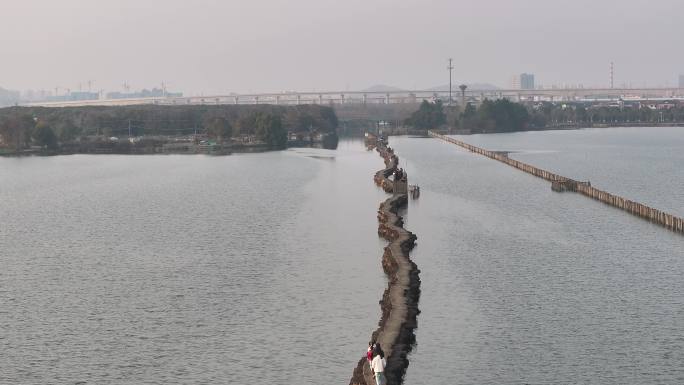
[(188, 269), (640, 163), (522, 285), (266, 267)]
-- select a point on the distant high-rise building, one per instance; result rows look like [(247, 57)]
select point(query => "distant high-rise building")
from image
[(681, 81), (526, 81), (515, 82)]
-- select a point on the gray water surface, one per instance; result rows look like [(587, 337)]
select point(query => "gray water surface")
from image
[(188, 269), (266, 267), (640, 163), (522, 285)]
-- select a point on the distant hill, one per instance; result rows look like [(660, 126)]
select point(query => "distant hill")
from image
[(382, 88), (471, 86)]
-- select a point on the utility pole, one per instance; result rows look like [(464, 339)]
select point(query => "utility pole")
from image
[(612, 74), (450, 68)]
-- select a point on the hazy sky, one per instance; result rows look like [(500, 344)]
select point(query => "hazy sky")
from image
[(212, 46)]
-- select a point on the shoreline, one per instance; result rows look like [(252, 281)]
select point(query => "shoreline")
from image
[(229, 150), (399, 304)]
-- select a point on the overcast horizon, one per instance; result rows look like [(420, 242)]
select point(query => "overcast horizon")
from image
[(218, 47)]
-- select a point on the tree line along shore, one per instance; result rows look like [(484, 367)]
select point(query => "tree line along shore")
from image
[(502, 115), (229, 128), (153, 128)]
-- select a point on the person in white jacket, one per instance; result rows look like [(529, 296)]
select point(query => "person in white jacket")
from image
[(378, 365)]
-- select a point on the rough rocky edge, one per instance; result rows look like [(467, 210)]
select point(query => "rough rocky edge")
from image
[(399, 303)]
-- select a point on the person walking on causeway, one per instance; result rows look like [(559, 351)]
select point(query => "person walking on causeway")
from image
[(369, 352), (378, 365)]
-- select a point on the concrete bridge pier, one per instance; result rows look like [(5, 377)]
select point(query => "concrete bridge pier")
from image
[(299, 99), (387, 98), (277, 99), (320, 99), (236, 100), (256, 100), (365, 99)]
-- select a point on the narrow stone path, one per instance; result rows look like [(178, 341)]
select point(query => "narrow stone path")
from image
[(399, 303)]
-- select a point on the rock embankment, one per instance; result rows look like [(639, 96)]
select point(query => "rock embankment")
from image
[(399, 302)]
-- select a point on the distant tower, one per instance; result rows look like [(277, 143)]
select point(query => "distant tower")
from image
[(463, 89), (612, 75), (450, 68)]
